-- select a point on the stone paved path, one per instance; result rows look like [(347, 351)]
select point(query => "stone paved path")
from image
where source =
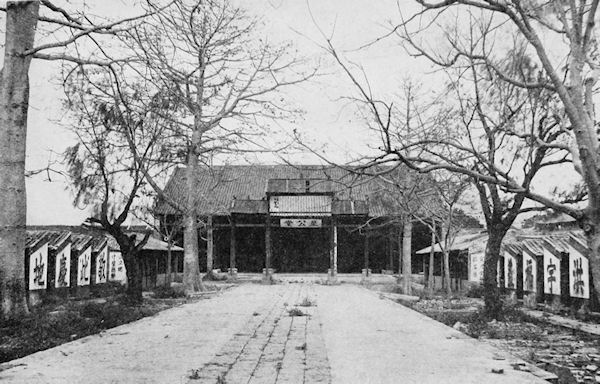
[(375, 340), (248, 335), (274, 347)]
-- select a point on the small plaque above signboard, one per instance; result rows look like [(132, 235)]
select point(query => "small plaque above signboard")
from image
[(301, 223)]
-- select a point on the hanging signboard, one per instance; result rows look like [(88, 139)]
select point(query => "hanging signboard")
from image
[(579, 273), (301, 223), (304, 204), (102, 266), (38, 268), (62, 274), (84, 266), (510, 271), (529, 272), (551, 273)]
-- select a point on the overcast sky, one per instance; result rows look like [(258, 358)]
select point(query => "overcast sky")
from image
[(328, 123)]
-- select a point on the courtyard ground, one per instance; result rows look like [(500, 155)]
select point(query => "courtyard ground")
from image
[(286, 333)]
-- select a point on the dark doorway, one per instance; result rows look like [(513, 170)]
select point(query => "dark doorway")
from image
[(300, 249)]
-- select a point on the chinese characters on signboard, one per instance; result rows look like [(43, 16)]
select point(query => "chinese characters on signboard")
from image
[(38, 268), (579, 276), (300, 204), (551, 273), (84, 266), (102, 266), (529, 273), (301, 223), (63, 268)]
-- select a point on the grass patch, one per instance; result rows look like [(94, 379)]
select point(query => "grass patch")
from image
[(194, 374), (58, 321), (296, 312), (307, 302), (163, 292)]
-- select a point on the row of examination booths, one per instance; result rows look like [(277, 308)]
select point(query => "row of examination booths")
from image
[(69, 264), (536, 268), (548, 268)]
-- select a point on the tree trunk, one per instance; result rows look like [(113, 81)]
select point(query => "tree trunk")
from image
[(593, 240), (493, 303), (400, 229), (134, 274), (169, 261), (430, 278), (406, 257), (21, 21), (191, 269), (446, 256), (210, 246)]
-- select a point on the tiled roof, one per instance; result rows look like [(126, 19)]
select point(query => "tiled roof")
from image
[(221, 185), (461, 242)]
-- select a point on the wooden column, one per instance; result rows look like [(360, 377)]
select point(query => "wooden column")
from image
[(232, 268), (156, 266), (268, 250), (333, 249), (209, 244), (390, 249), (366, 254), (406, 257)]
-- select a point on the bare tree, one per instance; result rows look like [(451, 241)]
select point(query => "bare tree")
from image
[(450, 188), (64, 29), (104, 171), (496, 132), (222, 84), (562, 38)]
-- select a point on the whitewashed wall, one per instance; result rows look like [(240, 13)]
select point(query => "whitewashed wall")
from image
[(529, 272), (62, 272), (579, 272), (38, 268), (510, 271), (84, 267), (116, 270), (551, 273), (101, 272)]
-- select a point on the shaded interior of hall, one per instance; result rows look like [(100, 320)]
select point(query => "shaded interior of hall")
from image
[(306, 250)]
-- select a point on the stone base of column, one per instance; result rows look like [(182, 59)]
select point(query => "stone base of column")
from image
[(511, 297), (530, 300), (267, 278), (553, 301), (366, 276), (332, 277), (232, 273)]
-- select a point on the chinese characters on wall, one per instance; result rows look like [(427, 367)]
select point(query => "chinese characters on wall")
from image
[(510, 270), (102, 266), (476, 269), (551, 273), (38, 268), (117, 267), (84, 266), (63, 268), (529, 273), (579, 282)]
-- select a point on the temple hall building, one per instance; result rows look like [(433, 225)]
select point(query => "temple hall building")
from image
[(296, 219)]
